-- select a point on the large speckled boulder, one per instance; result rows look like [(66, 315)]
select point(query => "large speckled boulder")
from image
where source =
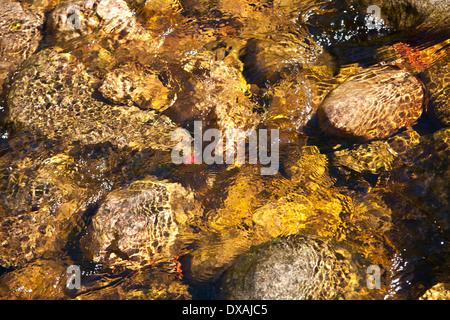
[(55, 95), (20, 35), (373, 104), (298, 268), (138, 225)]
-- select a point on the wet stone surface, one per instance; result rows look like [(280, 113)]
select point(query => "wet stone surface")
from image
[(294, 268), (132, 87), (139, 225), (373, 104), (437, 81), (94, 89), (56, 96), (72, 19), (21, 32)]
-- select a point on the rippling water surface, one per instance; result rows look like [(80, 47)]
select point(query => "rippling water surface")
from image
[(213, 231)]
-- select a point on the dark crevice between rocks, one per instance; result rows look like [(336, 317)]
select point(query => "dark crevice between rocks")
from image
[(4, 270)]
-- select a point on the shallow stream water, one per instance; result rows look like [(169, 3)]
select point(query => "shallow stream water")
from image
[(229, 64)]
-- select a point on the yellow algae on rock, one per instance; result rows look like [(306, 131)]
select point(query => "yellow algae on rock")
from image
[(306, 163), (257, 209)]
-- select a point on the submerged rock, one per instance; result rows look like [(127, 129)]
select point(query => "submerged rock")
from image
[(215, 92), (72, 19), (138, 225), (425, 175), (372, 157), (267, 61), (293, 101), (130, 86), (56, 95), (296, 268), (440, 291), (20, 34), (43, 279), (437, 81), (148, 285), (373, 104), (46, 194)]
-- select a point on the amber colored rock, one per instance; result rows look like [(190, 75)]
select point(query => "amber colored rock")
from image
[(55, 95), (43, 279), (135, 87), (437, 81), (215, 91), (372, 157), (74, 19), (268, 61), (373, 104), (138, 225), (440, 291), (20, 33)]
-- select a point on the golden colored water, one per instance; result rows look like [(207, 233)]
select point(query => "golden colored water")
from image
[(258, 63)]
